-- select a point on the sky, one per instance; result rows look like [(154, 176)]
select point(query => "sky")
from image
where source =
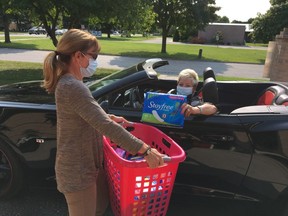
[(242, 10)]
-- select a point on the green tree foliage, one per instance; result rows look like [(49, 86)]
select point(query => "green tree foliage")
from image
[(106, 17), (267, 26), (187, 15), (128, 15), (51, 12), (223, 19), (134, 15), (77, 12), (277, 2), (47, 12), (10, 11), (144, 19)]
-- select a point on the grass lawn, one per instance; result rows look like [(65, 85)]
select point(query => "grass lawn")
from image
[(11, 72), (19, 71), (138, 46), (182, 52)]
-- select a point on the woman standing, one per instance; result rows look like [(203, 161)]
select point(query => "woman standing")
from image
[(81, 122)]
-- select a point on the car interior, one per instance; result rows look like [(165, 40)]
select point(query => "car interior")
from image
[(228, 96)]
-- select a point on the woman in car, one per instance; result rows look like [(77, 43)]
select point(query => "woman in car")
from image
[(186, 85), (81, 122)]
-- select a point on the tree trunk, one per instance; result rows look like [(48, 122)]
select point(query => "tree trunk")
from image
[(51, 34), (164, 42), (6, 28), (54, 39)]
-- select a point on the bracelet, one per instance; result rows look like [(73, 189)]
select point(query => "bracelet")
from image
[(200, 109), (147, 152)]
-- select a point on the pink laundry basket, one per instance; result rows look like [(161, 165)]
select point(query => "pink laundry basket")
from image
[(134, 188)]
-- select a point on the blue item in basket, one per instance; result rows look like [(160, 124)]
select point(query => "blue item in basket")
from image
[(164, 109)]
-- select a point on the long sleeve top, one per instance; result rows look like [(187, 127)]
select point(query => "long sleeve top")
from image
[(81, 122)]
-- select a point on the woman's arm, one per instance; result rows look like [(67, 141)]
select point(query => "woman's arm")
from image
[(203, 109)]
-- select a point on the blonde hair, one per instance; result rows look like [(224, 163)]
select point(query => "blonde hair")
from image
[(190, 74), (57, 62)]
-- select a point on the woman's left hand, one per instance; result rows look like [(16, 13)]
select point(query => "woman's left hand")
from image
[(119, 119), (188, 110)]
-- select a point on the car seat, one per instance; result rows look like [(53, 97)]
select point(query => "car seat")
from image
[(210, 91), (282, 100), (269, 96), (208, 72)]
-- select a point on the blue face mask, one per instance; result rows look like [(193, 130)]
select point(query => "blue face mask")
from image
[(184, 90), (91, 68)]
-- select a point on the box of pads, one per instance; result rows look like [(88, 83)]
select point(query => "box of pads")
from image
[(164, 109)]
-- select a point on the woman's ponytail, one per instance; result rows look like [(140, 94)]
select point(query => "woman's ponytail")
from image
[(50, 72)]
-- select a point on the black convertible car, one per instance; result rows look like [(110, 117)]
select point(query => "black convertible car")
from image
[(239, 153)]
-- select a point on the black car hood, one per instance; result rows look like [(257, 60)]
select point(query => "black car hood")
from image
[(27, 92)]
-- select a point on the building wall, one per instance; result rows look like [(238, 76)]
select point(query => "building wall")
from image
[(232, 34), (276, 62)]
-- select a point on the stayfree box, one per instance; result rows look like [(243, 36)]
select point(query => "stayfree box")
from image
[(164, 109)]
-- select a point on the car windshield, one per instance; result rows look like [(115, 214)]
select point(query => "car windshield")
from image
[(98, 84)]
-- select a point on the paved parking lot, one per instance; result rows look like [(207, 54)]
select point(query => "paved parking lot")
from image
[(39, 200)]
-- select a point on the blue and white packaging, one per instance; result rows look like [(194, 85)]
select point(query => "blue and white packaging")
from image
[(164, 109)]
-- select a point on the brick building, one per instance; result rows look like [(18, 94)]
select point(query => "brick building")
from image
[(276, 62), (232, 33)]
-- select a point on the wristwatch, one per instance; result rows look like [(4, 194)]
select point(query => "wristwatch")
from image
[(147, 152)]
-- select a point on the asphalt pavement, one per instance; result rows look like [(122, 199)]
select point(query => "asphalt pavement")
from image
[(38, 200), (253, 71)]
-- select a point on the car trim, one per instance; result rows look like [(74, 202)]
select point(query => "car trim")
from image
[(7, 104)]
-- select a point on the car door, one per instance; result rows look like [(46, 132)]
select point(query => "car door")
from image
[(267, 177), (218, 153)]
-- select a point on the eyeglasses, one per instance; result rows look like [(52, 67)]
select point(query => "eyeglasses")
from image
[(93, 55)]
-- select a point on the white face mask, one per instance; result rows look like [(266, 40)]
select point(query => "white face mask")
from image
[(184, 90), (91, 68)]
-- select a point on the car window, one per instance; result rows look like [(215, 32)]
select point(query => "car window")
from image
[(98, 84), (127, 98)]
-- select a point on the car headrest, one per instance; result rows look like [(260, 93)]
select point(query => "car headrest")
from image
[(208, 72), (210, 91), (282, 100), (269, 95)]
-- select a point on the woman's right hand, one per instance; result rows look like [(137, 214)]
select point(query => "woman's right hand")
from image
[(154, 158)]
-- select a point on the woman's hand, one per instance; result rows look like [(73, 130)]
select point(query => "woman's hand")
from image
[(154, 158), (188, 110), (119, 119)]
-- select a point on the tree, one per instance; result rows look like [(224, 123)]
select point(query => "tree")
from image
[(186, 15), (136, 15), (78, 12), (106, 16), (223, 19), (47, 12), (51, 12), (267, 26), (5, 11)]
